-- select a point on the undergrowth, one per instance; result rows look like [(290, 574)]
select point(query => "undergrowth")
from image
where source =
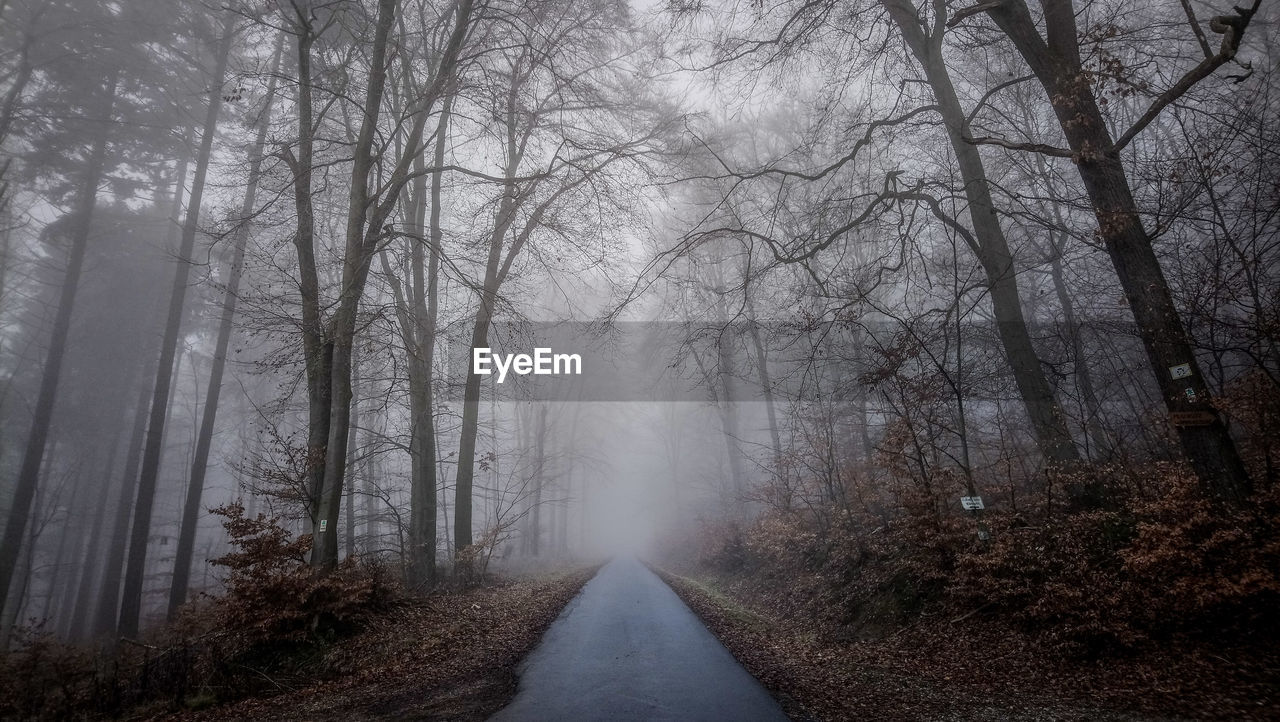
[(1149, 568), (270, 628)]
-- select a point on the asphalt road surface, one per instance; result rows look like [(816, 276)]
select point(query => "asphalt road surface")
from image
[(627, 648)]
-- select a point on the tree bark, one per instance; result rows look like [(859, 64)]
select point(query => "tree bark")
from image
[(422, 526), (17, 599), (465, 475), (729, 427), (317, 350), (353, 460), (504, 217)]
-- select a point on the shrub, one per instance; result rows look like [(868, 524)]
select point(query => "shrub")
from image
[(273, 596), (1199, 569), (276, 614), (1157, 561)]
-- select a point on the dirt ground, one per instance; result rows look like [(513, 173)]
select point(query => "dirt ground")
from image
[(449, 656), (946, 669)]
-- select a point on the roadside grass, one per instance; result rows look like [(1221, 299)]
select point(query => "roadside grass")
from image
[(734, 610)]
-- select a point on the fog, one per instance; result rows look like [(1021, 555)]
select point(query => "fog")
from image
[(809, 270)]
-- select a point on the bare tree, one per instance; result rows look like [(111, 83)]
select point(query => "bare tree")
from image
[(204, 440), (1055, 59), (135, 569)]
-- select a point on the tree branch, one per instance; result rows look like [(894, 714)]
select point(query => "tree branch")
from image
[(820, 173), (1232, 29), (1195, 28), (972, 10), (1032, 147)]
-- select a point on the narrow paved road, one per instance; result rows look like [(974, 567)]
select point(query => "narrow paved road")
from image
[(627, 648)]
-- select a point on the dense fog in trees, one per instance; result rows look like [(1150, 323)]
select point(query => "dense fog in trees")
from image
[(834, 263)]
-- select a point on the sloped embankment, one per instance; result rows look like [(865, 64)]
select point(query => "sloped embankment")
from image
[(947, 669), (447, 656)]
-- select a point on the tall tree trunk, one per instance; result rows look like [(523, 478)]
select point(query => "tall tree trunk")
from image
[(361, 242), (729, 426), (109, 590), (42, 414), (494, 273), (370, 508), (365, 232), (539, 478), (328, 347), (66, 550), (1055, 60), (423, 512), (86, 589), (465, 474), (1095, 431), (766, 386), (135, 570), (316, 348), (13, 605), (84, 569), (1100, 441), (564, 488), (1049, 424), (353, 460), (204, 441)]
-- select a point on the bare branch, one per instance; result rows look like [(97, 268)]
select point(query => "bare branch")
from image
[(1032, 147), (1232, 29), (1195, 28), (996, 89), (973, 10), (821, 172)]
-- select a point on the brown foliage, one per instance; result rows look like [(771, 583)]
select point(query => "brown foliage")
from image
[(41, 677), (450, 655), (1158, 601), (265, 632), (1161, 565), (272, 594)]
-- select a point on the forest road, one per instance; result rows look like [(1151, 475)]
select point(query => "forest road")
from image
[(627, 648)]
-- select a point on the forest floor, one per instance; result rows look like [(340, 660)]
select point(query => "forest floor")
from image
[(447, 656), (964, 669)]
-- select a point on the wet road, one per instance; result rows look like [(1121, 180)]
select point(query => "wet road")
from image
[(627, 648)]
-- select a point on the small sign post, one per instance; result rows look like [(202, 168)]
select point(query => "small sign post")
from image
[(324, 524), (971, 503), (1181, 371)]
